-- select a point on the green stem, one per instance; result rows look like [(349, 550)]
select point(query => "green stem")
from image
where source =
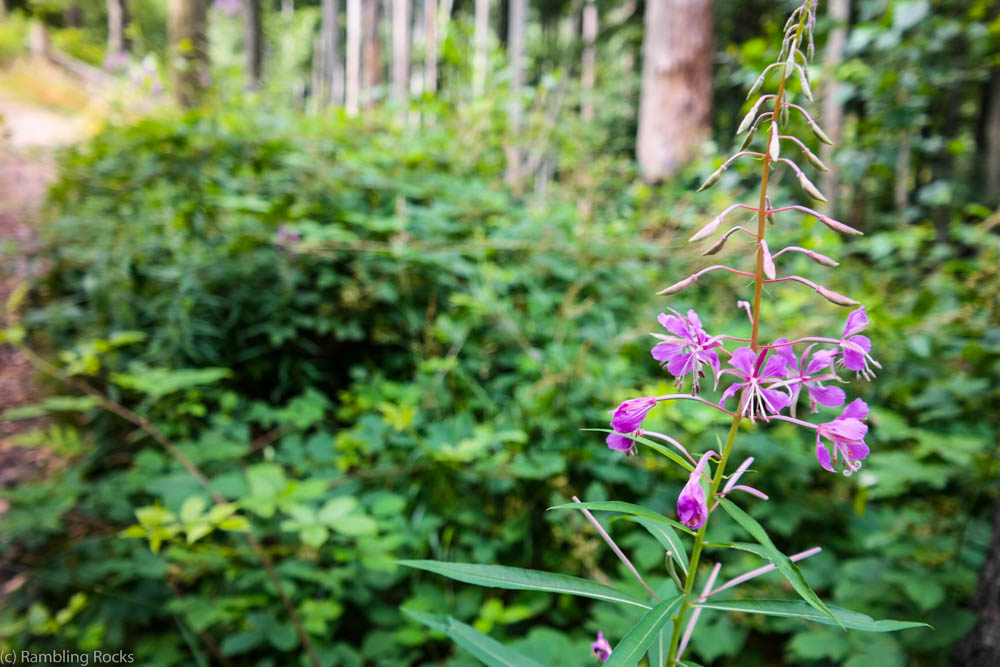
[(720, 469)]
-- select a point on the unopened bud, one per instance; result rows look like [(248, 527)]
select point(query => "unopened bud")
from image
[(838, 226), (757, 85), (770, 214), (821, 259), (833, 297), (814, 159), (713, 179), (820, 134), (717, 246), (679, 286), (783, 115), (707, 230), (774, 143), (768, 260), (747, 120), (804, 82), (810, 189), (749, 138)]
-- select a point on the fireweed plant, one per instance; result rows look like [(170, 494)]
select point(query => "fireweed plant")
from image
[(762, 382)]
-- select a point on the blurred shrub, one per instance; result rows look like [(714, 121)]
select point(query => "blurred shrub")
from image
[(376, 352), (13, 37)]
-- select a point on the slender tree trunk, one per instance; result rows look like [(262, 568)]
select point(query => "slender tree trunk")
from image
[(333, 75), (186, 24), (400, 50), (118, 19), (515, 54), (431, 46), (352, 88), (371, 58), (833, 110), (993, 141), (254, 43), (676, 96), (481, 45), (588, 68), (981, 647)]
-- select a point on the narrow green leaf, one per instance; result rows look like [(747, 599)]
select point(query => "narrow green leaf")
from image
[(633, 645), (788, 569), (624, 508), (652, 444), (658, 649), (498, 576), (667, 538), (483, 647), (798, 609)]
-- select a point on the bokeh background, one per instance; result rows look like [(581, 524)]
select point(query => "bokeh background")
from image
[(372, 267)]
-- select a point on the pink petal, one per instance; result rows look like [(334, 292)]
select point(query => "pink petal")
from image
[(743, 359), (619, 442), (775, 366), (861, 341), (844, 429), (821, 360), (730, 391), (856, 321), (776, 400), (831, 397), (823, 456), (664, 352), (857, 451), (857, 409), (681, 365), (673, 324)]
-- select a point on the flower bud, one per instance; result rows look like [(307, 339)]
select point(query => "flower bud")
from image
[(765, 252), (834, 297), (717, 246), (692, 509), (707, 230), (749, 138), (810, 189), (783, 115), (747, 120), (814, 159), (774, 143), (820, 134), (757, 85), (770, 216), (821, 259), (678, 286), (713, 179), (804, 82), (838, 226)]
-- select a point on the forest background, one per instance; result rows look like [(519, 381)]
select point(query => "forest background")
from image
[(371, 266)]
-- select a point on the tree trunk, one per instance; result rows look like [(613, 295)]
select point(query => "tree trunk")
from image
[(515, 55), (332, 86), (481, 45), (118, 19), (676, 96), (352, 87), (430, 46), (400, 50), (981, 647), (588, 68), (254, 43), (371, 58), (833, 110), (186, 24), (993, 141)]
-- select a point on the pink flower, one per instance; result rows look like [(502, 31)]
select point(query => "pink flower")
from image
[(846, 433), (687, 350), (601, 649), (627, 417), (621, 443), (799, 374), (753, 373), (692, 509), (856, 348)]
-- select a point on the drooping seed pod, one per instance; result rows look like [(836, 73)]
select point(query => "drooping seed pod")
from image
[(838, 226), (820, 134), (713, 178), (810, 189), (834, 297)]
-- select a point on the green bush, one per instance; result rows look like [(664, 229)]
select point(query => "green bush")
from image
[(375, 352)]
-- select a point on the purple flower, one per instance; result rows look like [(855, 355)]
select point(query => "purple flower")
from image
[(752, 370), (856, 348), (287, 235), (846, 433), (621, 443), (601, 649), (687, 350), (627, 418), (800, 374), (691, 507)]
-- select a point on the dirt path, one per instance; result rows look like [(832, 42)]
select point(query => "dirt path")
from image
[(30, 136)]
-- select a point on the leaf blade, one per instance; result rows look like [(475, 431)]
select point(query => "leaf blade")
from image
[(852, 620), (483, 647), (633, 646), (513, 578)]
